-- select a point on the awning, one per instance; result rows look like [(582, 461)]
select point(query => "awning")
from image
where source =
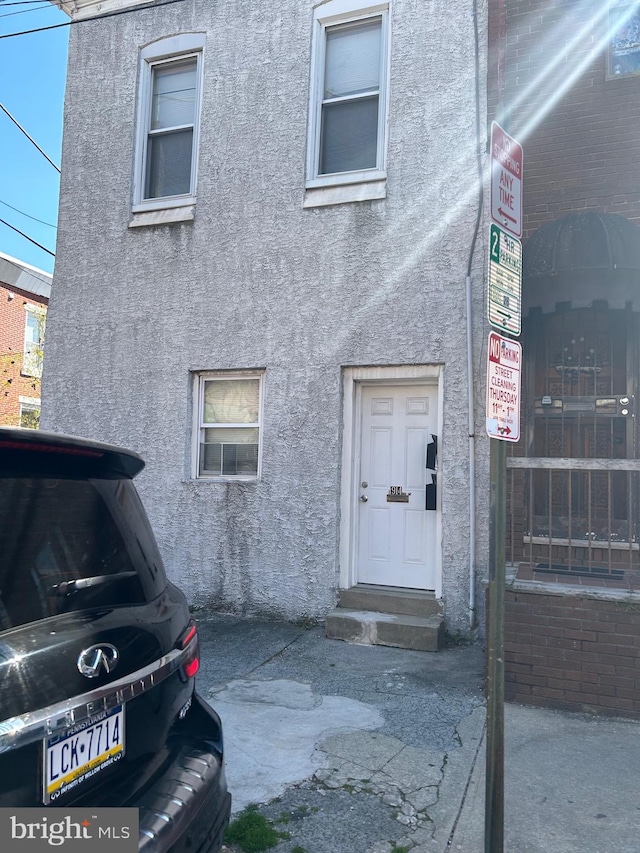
[(581, 258)]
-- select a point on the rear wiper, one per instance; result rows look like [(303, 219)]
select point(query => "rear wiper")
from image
[(69, 587)]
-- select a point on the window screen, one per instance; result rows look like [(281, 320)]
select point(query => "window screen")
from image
[(172, 120), (349, 123), (230, 429)]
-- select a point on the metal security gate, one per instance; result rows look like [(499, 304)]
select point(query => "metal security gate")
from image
[(575, 488)]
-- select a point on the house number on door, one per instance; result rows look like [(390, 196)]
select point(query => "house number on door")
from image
[(397, 495)]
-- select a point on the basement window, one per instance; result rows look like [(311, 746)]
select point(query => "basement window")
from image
[(229, 426)]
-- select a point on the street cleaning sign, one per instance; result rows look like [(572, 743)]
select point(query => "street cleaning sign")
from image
[(506, 180), (503, 388), (505, 281)]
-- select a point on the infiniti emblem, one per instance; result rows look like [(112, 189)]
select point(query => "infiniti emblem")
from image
[(96, 658)]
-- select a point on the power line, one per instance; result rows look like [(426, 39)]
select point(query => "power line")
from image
[(22, 234), (22, 213), (26, 11), (33, 142), (19, 3), (94, 18)]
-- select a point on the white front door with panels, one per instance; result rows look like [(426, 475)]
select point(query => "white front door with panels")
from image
[(396, 541)]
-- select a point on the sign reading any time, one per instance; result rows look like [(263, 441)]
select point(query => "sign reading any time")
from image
[(505, 281), (506, 180), (503, 388)]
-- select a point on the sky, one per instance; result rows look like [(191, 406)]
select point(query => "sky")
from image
[(32, 80)]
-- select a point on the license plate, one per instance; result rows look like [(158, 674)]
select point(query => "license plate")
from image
[(82, 751)]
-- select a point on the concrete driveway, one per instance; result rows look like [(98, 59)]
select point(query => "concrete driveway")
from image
[(355, 749)]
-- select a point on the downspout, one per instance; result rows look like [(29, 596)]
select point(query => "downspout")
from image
[(470, 386)]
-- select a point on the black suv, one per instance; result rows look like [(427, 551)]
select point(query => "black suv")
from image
[(97, 650)]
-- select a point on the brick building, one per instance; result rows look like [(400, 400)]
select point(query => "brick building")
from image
[(564, 79), (24, 297)]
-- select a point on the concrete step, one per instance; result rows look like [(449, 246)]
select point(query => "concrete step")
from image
[(385, 629), (390, 599)]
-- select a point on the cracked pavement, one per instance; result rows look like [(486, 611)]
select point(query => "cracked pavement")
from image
[(343, 747)]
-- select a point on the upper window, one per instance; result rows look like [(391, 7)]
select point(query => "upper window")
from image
[(229, 414), (168, 119), (347, 139), (624, 40), (33, 342)]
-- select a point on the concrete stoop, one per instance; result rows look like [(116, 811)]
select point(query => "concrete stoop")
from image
[(386, 616)]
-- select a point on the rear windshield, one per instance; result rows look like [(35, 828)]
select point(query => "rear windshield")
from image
[(68, 544)]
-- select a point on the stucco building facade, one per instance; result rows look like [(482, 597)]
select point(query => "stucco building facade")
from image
[(269, 239)]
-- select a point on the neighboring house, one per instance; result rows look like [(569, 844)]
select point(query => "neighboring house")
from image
[(24, 297), (266, 235), (566, 81)]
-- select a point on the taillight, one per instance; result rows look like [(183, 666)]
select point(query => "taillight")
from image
[(189, 643), (66, 450)]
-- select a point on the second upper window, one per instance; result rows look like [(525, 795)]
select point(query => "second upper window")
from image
[(167, 149), (348, 114)]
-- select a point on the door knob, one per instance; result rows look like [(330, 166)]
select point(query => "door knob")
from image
[(364, 498)]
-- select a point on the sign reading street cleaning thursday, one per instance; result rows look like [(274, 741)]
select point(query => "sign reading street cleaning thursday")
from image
[(503, 388), (505, 281)]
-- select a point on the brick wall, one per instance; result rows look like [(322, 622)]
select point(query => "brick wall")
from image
[(573, 653), (13, 384), (548, 86), (578, 129)]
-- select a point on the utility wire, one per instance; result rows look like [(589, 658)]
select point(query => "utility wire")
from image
[(21, 3), (25, 11), (33, 142), (93, 18), (22, 234), (22, 213)]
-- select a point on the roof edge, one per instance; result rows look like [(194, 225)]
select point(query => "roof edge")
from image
[(23, 276), (79, 9)]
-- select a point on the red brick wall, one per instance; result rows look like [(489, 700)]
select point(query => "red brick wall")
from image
[(576, 654), (581, 144), (12, 325), (582, 153)]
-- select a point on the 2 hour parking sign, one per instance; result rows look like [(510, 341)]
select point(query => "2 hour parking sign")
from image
[(505, 281)]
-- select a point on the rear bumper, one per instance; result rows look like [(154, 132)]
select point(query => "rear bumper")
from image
[(187, 807)]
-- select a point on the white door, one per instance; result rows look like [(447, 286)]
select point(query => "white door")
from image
[(396, 540)]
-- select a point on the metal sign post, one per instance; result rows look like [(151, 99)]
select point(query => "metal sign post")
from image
[(494, 785), (504, 359)]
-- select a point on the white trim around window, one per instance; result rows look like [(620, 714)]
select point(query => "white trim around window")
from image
[(167, 126), (29, 417), (349, 91), (33, 347), (227, 435)]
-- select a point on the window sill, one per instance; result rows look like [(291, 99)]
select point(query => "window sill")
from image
[(186, 213), (345, 193), (222, 480)]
